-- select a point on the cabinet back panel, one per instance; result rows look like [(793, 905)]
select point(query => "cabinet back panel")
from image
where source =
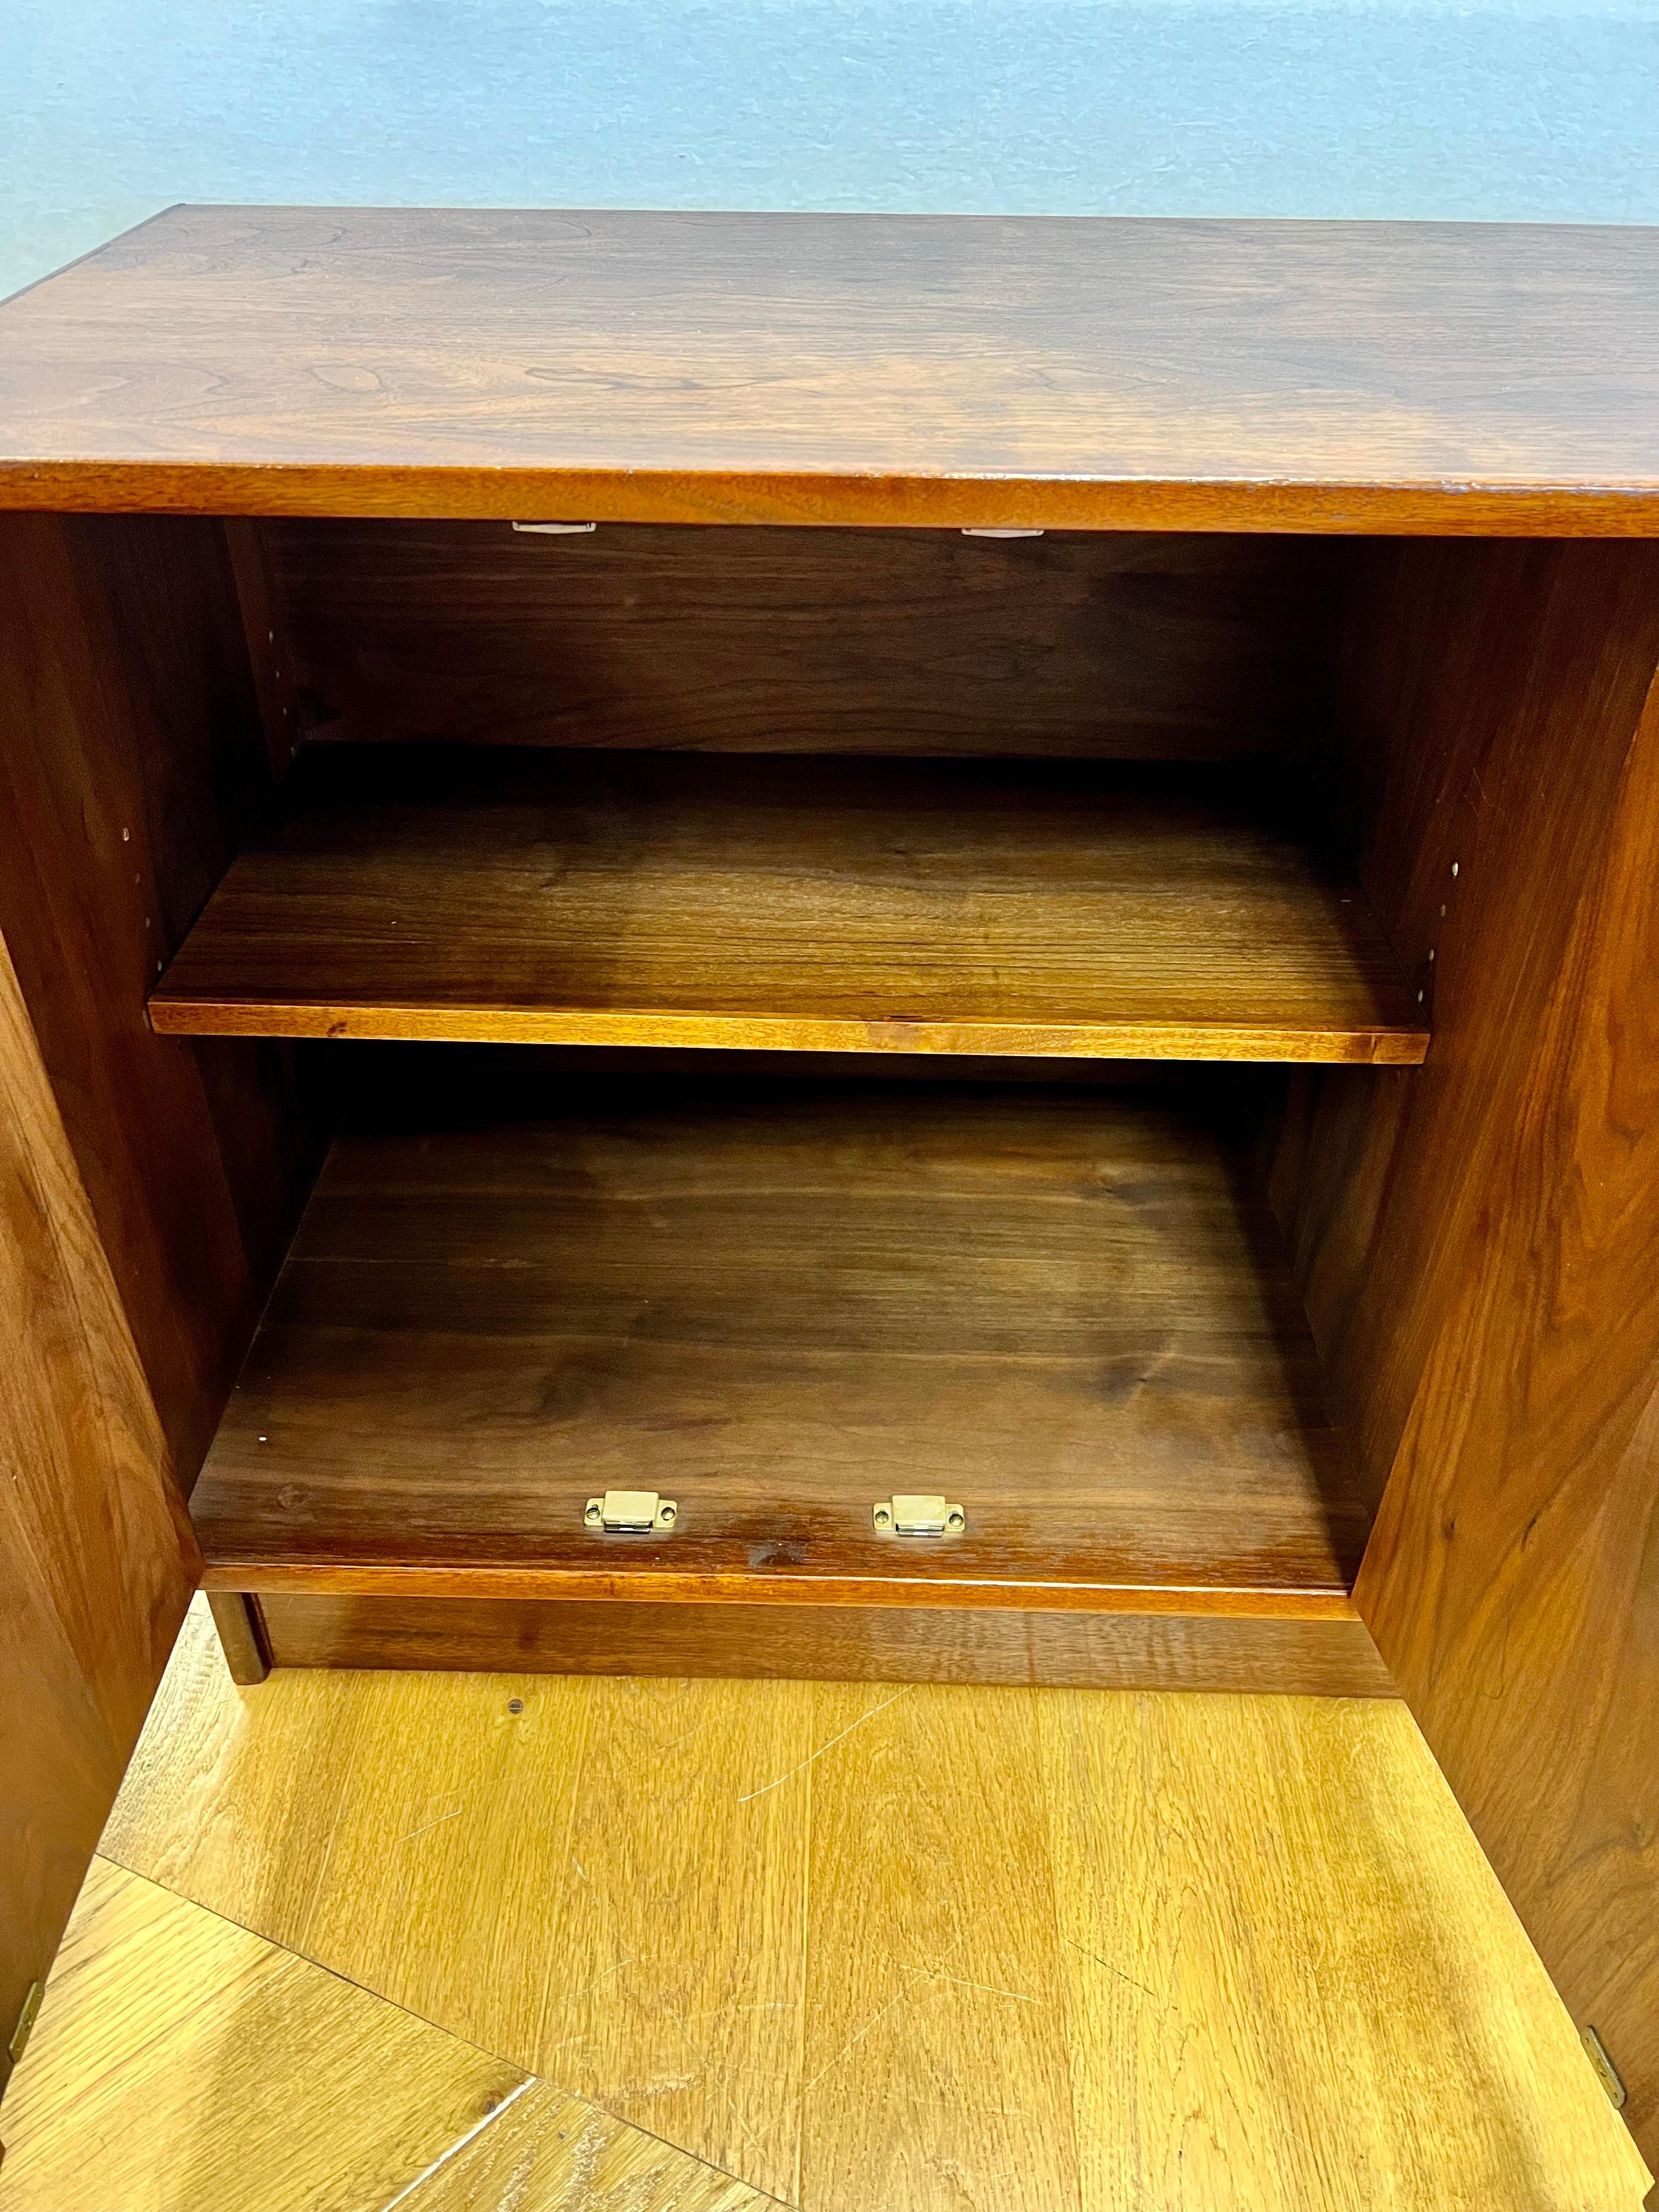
[(1117, 645)]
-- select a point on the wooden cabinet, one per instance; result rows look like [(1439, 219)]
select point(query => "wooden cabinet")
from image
[(1055, 910)]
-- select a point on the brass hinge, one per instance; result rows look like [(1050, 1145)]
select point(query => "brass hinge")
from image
[(631, 1512), (909, 1515), (1606, 2072), (26, 2019)]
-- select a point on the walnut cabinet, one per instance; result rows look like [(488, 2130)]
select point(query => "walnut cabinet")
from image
[(896, 947)]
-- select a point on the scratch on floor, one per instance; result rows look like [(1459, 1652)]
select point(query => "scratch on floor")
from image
[(1109, 1968), (438, 1823), (459, 2144), (516, 2185), (667, 2085), (667, 2012), (731, 2106), (322, 1871), (934, 1973), (748, 1795), (856, 2037), (604, 1975), (909, 2101)]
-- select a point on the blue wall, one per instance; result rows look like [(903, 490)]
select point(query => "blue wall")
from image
[(111, 108)]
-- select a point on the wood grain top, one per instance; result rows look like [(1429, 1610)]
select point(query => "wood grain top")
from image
[(764, 902), (1090, 372), (1064, 1312)]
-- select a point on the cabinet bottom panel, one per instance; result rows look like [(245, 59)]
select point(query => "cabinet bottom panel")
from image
[(909, 1643)]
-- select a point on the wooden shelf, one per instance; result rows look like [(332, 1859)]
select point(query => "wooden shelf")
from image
[(983, 371), (1002, 908), (1064, 1311)]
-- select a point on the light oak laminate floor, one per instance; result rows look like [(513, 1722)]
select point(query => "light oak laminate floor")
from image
[(859, 1949), (181, 2061)]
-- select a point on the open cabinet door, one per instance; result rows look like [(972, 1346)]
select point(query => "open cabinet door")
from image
[(97, 1562), (1479, 1239), (147, 1190)]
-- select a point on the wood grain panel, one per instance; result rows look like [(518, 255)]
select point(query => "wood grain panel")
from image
[(1492, 694), (1480, 1251), (811, 369), (1064, 1309), (807, 640), (831, 1643), (878, 906), (133, 760), (1305, 1914), (97, 1562), (1325, 1822), (270, 648)]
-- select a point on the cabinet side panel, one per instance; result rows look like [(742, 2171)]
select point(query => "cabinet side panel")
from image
[(130, 756), (1513, 1575), (97, 1562), (1480, 1240), (1489, 697)]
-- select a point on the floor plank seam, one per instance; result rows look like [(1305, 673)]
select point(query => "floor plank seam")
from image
[(292, 1951), (532, 2078), (453, 2150)]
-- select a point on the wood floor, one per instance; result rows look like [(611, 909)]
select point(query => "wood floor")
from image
[(185, 2061), (860, 1949)]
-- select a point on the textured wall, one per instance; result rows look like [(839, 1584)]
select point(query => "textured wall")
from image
[(111, 108)]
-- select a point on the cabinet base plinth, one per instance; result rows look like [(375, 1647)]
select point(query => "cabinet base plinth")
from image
[(909, 1644)]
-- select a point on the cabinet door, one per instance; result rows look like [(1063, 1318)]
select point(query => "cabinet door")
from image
[(97, 1562), (1479, 1239), (148, 1190)]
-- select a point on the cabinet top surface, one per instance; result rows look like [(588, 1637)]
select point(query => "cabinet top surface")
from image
[(989, 371)]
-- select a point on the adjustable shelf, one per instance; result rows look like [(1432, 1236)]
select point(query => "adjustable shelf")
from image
[(854, 905), (1065, 1311)]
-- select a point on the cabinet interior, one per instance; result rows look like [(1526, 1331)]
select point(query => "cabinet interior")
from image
[(785, 1019)]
